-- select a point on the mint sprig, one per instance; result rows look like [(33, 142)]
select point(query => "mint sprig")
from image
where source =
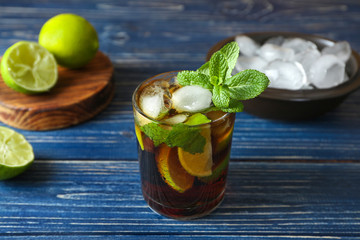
[(181, 135), (227, 91)]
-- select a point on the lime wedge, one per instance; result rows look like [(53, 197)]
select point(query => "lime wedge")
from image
[(16, 154), (139, 137), (29, 68), (171, 170), (218, 170)]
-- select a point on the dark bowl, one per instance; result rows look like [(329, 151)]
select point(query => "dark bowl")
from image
[(298, 104)]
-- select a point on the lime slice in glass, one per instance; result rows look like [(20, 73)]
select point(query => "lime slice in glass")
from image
[(198, 164), (16, 153), (29, 68), (171, 170)]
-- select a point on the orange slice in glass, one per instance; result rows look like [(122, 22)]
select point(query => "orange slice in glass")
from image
[(171, 170)]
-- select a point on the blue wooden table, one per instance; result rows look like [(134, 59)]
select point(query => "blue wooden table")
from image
[(287, 180)]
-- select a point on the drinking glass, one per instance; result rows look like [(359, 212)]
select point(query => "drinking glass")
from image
[(174, 182)]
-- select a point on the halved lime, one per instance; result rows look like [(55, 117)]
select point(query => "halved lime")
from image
[(16, 153), (29, 68)]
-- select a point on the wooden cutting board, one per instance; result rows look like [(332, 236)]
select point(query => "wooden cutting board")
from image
[(78, 96)]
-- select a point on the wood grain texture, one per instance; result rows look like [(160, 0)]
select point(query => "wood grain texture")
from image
[(79, 95), (64, 199), (97, 196), (144, 38)]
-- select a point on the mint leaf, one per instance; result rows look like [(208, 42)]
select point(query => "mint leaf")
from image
[(197, 119), (214, 80), (156, 133), (231, 54), (181, 135), (234, 106), (204, 69), (218, 67), (246, 84), (186, 137), (220, 97), (186, 78)]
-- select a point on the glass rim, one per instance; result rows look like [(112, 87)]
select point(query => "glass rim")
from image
[(138, 109)]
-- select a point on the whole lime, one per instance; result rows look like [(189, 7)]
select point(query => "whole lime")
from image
[(70, 38)]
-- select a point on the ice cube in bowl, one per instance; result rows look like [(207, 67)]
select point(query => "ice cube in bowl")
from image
[(305, 103)]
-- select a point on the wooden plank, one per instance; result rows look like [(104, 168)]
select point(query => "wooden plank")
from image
[(98, 195), (178, 36), (63, 199)]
